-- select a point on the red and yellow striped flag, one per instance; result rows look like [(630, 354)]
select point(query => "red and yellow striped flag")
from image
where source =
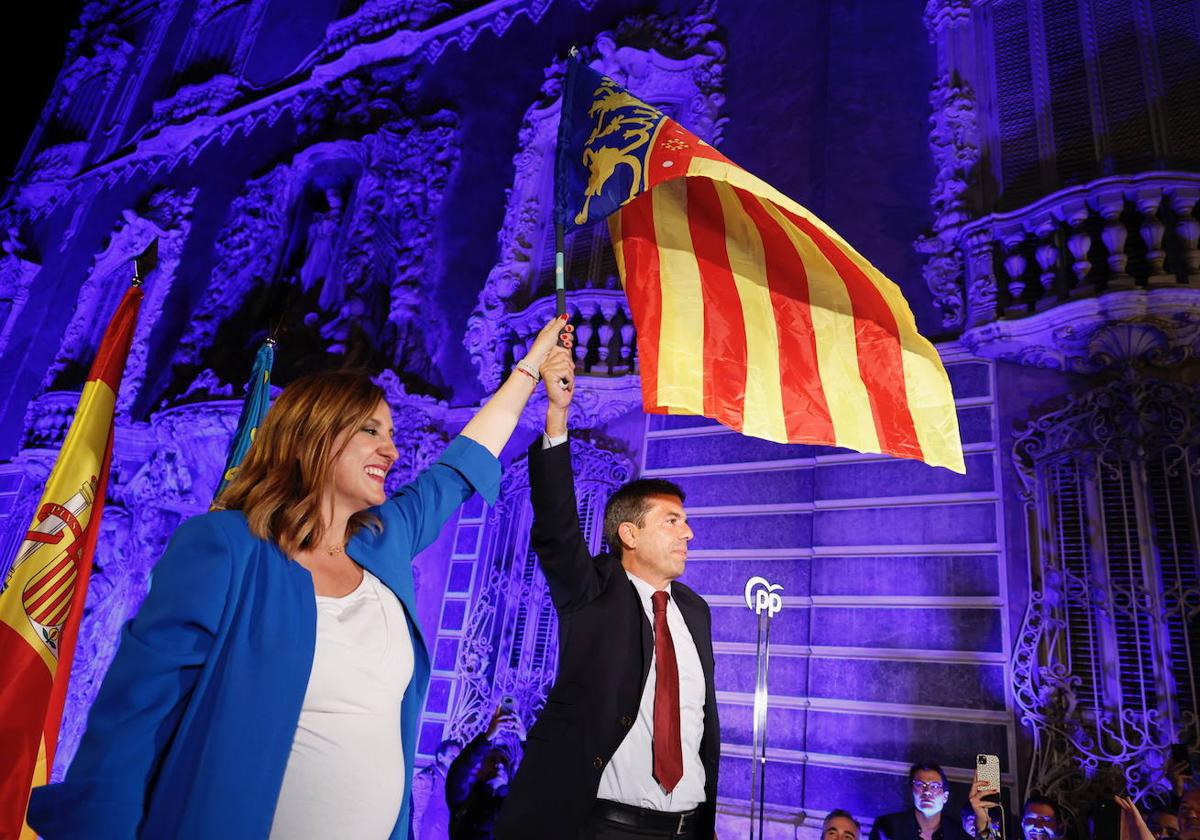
[(748, 308), (43, 592)]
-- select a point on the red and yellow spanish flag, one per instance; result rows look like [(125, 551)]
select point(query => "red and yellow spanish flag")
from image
[(748, 308), (43, 592)]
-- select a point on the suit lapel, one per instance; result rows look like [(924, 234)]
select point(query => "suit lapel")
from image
[(693, 617), (642, 630)]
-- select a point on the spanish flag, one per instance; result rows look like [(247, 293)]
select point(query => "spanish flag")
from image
[(43, 592), (748, 308)]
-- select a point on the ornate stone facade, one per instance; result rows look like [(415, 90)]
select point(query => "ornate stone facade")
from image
[(1104, 667), (336, 174)]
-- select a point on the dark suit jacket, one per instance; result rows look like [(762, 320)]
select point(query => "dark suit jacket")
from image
[(902, 825), (605, 644)]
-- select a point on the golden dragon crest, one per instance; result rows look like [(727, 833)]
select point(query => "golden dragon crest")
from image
[(632, 123)]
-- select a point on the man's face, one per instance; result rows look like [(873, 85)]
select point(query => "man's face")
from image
[(657, 549), (1189, 816), (1039, 822), (929, 792), (1163, 825), (840, 828), (447, 753)]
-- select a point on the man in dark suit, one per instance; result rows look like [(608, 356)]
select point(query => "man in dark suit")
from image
[(930, 791), (628, 743)]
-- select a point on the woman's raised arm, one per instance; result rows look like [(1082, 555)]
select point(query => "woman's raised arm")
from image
[(493, 424)]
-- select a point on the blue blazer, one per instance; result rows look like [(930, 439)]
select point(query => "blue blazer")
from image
[(191, 730)]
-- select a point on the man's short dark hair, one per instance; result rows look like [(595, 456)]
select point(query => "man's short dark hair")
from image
[(931, 767), (1038, 799), (839, 812), (630, 503), (446, 746)]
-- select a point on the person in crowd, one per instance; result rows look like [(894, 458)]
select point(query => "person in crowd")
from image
[(271, 682), (930, 791), (628, 742), (431, 814), (1042, 819), (1161, 825), (840, 825), (478, 779), (1189, 815)]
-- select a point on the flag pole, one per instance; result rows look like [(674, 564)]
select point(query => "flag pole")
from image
[(560, 286), (560, 283)]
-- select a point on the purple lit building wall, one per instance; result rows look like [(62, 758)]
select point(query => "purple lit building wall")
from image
[(371, 178)]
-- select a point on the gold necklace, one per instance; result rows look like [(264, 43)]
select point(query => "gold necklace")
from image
[(335, 549)]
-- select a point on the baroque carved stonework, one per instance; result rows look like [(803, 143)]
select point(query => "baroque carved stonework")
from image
[(82, 90), (18, 267), (165, 215), (955, 146), (675, 63), (246, 252), (338, 242), (1138, 327)]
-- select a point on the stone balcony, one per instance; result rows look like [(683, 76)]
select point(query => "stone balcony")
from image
[(1091, 277), (608, 384), (605, 342)]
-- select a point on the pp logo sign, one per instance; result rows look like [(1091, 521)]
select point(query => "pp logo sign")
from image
[(761, 595)]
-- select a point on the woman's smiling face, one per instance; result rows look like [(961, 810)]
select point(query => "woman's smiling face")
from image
[(359, 470)]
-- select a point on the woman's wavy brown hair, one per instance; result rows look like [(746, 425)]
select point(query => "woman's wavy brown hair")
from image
[(280, 483)]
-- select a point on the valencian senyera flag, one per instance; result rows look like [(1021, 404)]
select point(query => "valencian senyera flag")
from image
[(43, 591), (254, 411), (748, 308)]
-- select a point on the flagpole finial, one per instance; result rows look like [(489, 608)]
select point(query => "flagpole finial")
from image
[(145, 262)]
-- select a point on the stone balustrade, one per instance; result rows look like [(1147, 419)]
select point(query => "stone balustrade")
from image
[(1116, 233), (1102, 275), (605, 341), (48, 418)]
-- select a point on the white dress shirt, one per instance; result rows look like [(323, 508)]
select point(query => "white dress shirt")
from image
[(629, 777)]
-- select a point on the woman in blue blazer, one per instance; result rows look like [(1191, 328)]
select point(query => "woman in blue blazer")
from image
[(246, 660)]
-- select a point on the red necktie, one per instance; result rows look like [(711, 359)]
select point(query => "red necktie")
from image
[(668, 754)]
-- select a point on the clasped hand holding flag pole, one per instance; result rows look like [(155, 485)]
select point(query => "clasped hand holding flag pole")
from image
[(748, 308)]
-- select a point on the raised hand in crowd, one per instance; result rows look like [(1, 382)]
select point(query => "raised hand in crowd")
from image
[(981, 789), (1133, 827)]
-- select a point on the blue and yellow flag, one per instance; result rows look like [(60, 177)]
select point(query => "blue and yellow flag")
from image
[(604, 139), (254, 409)]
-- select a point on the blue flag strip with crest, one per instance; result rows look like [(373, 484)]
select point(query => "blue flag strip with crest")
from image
[(604, 141), (254, 409)]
